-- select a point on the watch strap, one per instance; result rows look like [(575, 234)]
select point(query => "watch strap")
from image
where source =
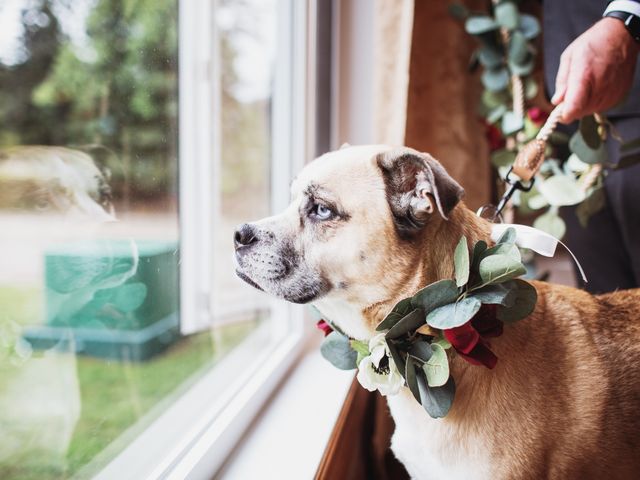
[(620, 9)]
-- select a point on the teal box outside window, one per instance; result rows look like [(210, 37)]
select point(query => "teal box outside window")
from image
[(111, 298)]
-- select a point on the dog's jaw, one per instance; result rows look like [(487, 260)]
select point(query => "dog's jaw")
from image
[(348, 317)]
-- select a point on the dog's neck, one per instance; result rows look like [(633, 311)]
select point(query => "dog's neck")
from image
[(427, 259), (432, 257)]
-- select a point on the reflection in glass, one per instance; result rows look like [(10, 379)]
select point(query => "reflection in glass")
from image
[(89, 253)]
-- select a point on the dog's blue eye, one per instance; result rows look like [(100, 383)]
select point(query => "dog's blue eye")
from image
[(321, 212)]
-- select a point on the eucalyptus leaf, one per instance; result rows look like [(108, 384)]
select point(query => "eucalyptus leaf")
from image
[(595, 202), (461, 262), (336, 348), (511, 123), (579, 146), (589, 131), (518, 48), (503, 157), (421, 350), (509, 249), (507, 15), (443, 342), (454, 314), (508, 237), (529, 26), (437, 368), (530, 88), (410, 377), (436, 401), (490, 57), (496, 114), (494, 99), (407, 324), (499, 268), (531, 129), (478, 24), (495, 79), (360, 347), (576, 165), (536, 202), (494, 295), (551, 223), (523, 69), (478, 249), (401, 309), (435, 295), (524, 303), (561, 190), (397, 357)]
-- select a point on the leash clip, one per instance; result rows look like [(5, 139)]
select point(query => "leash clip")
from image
[(514, 185)]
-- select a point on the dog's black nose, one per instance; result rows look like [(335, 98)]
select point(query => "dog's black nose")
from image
[(245, 235)]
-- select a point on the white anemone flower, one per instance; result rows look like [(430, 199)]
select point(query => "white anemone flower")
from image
[(378, 371)]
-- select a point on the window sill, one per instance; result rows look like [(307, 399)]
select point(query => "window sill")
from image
[(289, 437)]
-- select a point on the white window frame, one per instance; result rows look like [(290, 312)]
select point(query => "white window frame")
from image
[(199, 426)]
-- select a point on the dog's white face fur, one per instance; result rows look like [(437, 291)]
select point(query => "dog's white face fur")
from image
[(337, 244)]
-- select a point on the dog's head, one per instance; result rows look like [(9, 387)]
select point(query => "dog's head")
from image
[(351, 236), (54, 179)]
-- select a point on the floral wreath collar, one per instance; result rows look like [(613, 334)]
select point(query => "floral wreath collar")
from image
[(459, 314)]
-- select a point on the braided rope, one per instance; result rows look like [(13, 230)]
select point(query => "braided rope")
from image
[(517, 89), (531, 155), (550, 124)]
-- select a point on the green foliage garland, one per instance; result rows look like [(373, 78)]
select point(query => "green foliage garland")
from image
[(573, 172), (420, 329)]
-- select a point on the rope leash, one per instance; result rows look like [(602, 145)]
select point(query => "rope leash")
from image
[(525, 166)]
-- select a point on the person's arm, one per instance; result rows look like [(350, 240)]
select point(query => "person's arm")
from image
[(596, 70)]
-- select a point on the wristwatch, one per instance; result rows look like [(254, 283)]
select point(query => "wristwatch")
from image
[(629, 12)]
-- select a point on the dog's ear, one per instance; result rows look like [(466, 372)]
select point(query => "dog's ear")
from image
[(416, 181)]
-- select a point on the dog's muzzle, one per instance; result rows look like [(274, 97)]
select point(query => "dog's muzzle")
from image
[(272, 265), (259, 261)]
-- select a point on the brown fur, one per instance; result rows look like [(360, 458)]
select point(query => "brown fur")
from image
[(563, 401)]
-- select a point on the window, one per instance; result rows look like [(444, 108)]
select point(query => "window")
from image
[(134, 136)]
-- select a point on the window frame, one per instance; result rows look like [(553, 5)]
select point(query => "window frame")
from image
[(199, 427)]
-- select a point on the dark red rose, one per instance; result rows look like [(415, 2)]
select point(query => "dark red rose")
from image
[(468, 341), (463, 338), (481, 355), (494, 137), (324, 326), (537, 115), (486, 322)]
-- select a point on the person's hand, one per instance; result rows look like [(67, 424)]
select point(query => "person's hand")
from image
[(596, 70)]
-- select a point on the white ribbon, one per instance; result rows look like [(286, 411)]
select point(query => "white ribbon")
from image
[(534, 239)]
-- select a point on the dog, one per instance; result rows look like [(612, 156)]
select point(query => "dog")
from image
[(52, 179), (370, 225)]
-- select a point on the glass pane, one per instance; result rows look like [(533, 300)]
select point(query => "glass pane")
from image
[(90, 350), (247, 53)]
